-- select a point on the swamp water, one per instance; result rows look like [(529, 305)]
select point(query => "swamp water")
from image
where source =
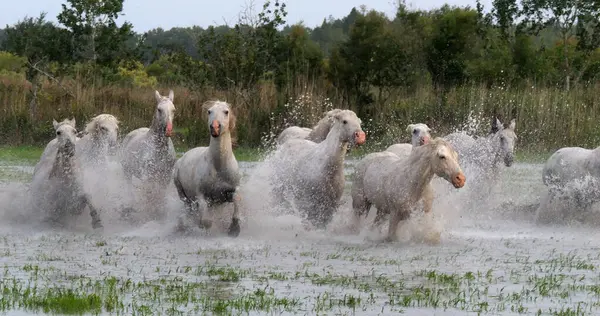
[(492, 259)]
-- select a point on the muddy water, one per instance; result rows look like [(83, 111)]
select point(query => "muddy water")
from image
[(491, 258)]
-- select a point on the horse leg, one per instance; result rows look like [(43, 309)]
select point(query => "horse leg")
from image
[(360, 205), (127, 211), (379, 216), (427, 199), (400, 214), (234, 228), (94, 214)]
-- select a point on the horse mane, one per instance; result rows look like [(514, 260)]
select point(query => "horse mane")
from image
[(431, 145), (439, 141), (94, 122)]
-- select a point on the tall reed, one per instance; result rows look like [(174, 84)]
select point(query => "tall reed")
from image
[(547, 118)]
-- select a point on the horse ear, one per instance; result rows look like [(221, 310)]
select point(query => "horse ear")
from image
[(513, 124), (54, 123), (498, 123), (157, 95), (171, 95), (72, 122), (410, 127)]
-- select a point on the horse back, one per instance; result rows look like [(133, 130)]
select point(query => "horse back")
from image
[(569, 163)]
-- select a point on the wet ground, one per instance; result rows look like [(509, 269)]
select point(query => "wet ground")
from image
[(492, 259)]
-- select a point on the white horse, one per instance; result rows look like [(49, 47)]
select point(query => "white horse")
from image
[(314, 172), (420, 135), (99, 142), (571, 173), (483, 157), (394, 185), (57, 185), (52, 146), (148, 153), (487, 152), (317, 134), (211, 173)]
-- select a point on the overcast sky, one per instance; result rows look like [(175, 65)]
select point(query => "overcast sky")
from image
[(149, 14)]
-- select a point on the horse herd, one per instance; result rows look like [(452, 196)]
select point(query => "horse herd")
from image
[(307, 165)]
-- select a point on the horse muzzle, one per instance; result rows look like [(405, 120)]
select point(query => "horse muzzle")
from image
[(360, 137), (423, 140), (458, 181), (508, 160), (169, 129), (215, 129)]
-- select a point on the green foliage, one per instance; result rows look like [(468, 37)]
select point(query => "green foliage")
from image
[(95, 32), (133, 74), (373, 56), (37, 40), (417, 65), (452, 44), (11, 62)]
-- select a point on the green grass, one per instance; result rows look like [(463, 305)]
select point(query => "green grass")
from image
[(539, 287), (531, 156), (29, 155), (9, 174)]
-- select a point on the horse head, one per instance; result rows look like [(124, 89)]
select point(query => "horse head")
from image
[(66, 135), (221, 119), (165, 111), (507, 139)]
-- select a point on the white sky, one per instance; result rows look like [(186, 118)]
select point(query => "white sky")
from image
[(149, 14)]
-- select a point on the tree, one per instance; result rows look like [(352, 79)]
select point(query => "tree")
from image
[(2, 36), (567, 16), (40, 42), (452, 45), (372, 56), (505, 12), (95, 33)]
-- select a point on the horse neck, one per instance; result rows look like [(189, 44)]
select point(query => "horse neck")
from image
[(495, 148), (220, 150), (63, 164), (335, 149), (419, 172), (156, 126), (157, 136)]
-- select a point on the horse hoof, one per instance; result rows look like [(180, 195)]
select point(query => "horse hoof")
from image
[(234, 228), (97, 225)]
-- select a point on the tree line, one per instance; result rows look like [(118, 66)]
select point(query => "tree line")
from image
[(535, 60)]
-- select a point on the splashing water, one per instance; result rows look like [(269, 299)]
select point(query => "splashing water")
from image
[(476, 237)]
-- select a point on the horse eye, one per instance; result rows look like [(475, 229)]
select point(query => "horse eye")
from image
[(209, 111), (226, 112), (414, 131), (57, 132), (345, 122), (442, 157)]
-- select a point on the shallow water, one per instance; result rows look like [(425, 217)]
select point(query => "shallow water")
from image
[(491, 259)]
